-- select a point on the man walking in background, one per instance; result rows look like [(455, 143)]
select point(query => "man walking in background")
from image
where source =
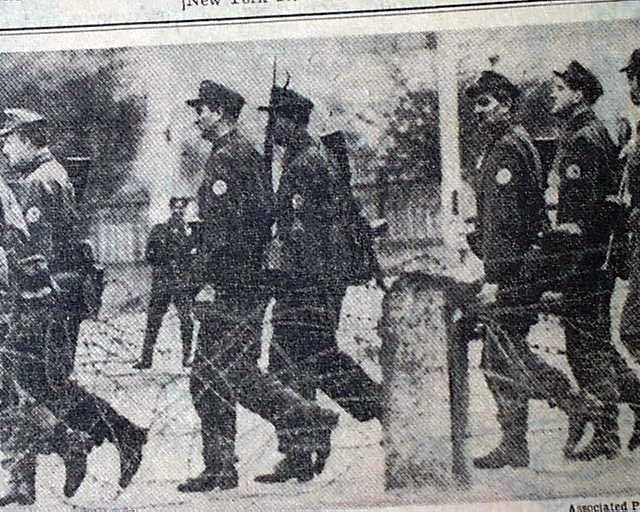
[(170, 253)]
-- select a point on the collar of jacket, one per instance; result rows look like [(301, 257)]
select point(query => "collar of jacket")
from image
[(42, 157), (218, 143), (580, 117), (499, 129)]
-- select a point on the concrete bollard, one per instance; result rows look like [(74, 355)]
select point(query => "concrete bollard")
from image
[(425, 376)]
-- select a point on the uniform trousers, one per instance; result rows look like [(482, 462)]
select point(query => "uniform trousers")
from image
[(34, 357), (225, 373), (163, 293), (596, 364), (305, 354), (515, 374)]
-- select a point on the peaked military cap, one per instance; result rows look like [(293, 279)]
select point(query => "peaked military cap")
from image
[(633, 66), (579, 78), (288, 103), (18, 117), (216, 95), (494, 84), (178, 202)]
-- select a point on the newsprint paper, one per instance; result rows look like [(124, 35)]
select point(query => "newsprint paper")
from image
[(287, 255)]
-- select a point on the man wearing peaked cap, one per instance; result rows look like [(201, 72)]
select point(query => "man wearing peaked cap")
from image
[(630, 321), (44, 365), (307, 265), (579, 79), (632, 70), (52, 219), (235, 203), (583, 169), (286, 103), (495, 84), (169, 252), (510, 208), (215, 95)]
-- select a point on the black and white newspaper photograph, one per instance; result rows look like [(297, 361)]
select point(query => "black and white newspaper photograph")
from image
[(380, 262)]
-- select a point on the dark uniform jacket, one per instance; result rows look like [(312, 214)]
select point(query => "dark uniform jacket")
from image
[(309, 218), (584, 164), (169, 251), (509, 200), (235, 202), (633, 168), (48, 202)]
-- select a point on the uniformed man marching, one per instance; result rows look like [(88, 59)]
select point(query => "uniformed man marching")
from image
[(629, 328), (509, 197), (235, 202), (26, 427), (583, 176), (45, 195), (307, 257), (170, 253), (630, 321)]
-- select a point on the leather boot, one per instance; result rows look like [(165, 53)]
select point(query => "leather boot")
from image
[(73, 448), (513, 449), (327, 421), (300, 448), (580, 408), (312, 435), (508, 453), (146, 358), (145, 361), (22, 482), (605, 442), (130, 444), (296, 464), (223, 478)]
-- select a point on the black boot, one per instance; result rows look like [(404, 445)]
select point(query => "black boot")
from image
[(327, 421), (580, 408), (577, 425), (513, 450), (73, 448), (146, 358), (600, 446), (130, 444), (605, 442), (296, 465), (16, 496), (145, 362), (506, 454), (22, 482), (223, 479)]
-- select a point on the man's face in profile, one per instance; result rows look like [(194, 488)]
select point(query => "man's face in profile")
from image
[(207, 118), (16, 149), (564, 98), (634, 87)]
